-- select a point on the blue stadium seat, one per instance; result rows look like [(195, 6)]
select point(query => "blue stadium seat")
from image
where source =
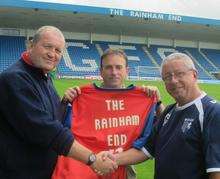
[(10, 50), (82, 58)]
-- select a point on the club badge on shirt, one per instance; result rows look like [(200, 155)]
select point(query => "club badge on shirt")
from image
[(166, 119), (187, 124), (213, 101)]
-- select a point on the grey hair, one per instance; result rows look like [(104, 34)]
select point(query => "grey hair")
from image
[(179, 56), (43, 29)]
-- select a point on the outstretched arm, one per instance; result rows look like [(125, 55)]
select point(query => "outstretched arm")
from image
[(100, 166), (130, 157), (214, 175)]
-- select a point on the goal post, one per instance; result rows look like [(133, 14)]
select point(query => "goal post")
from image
[(145, 72)]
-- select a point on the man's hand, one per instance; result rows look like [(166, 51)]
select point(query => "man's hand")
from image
[(151, 91), (71, 94), (104, 163), (214, 175)]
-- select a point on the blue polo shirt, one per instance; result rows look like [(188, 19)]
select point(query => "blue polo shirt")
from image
[(185, 142)]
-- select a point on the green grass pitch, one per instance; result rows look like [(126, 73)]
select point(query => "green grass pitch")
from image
[(145, 169)]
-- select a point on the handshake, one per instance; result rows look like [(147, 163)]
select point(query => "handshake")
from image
[(104, 163)]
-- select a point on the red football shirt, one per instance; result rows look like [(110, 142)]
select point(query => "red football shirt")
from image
[(104, 119)]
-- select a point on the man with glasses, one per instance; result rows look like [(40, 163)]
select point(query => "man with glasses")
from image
[(185, 142)]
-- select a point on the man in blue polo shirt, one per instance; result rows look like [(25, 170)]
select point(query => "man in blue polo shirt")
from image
[(185, 142)]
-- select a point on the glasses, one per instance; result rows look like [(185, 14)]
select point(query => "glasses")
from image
[(177, 74)]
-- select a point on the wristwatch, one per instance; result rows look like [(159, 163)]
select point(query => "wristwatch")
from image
[(91, 159)]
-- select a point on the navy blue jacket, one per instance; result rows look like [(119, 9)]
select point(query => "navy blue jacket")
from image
[(31, 134)]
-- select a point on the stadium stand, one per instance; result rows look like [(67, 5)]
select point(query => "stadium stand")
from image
[(11, 48), (214, 56), (198, 61), (81, 58)]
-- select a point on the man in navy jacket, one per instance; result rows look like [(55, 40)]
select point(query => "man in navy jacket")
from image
[(31, 132)]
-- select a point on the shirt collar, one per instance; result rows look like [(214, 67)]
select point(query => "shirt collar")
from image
[(25, 56), (190, 103), (131, 86)]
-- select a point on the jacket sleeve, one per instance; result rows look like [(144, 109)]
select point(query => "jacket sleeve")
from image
[(24, 110)]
